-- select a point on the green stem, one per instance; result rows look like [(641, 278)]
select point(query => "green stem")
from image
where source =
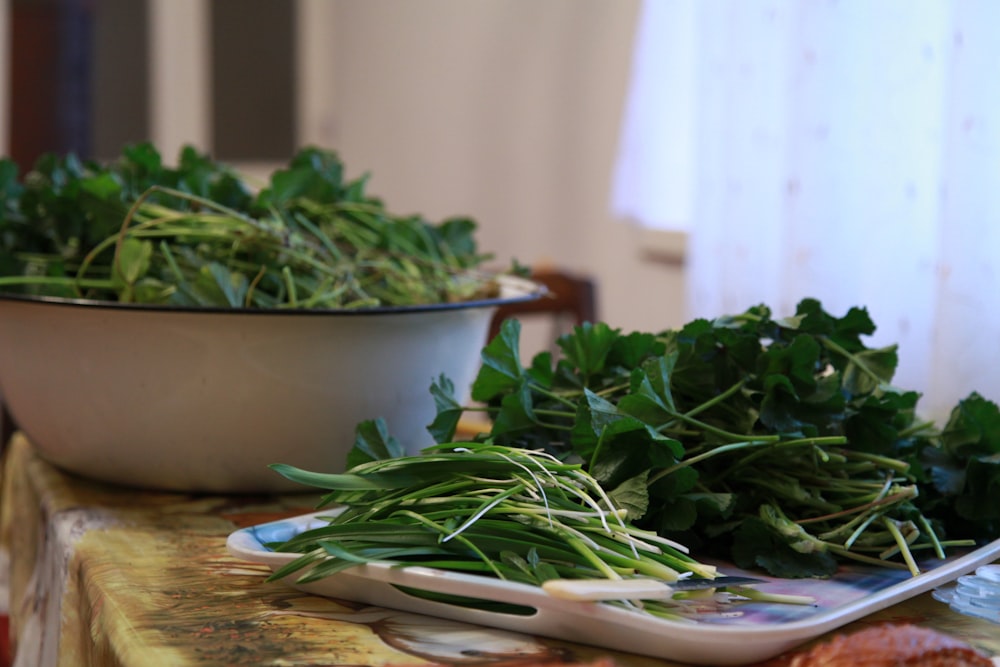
[(708, 428), (715, 451), (853, 555), (835, 347), (609, 391), (867, 520), (925, 525), (916, 428), (57, 281), (881, 461), (444, 531), (898, 497), (556, 397), (821, 441), (760, 596), (715, 400), (903, 546)]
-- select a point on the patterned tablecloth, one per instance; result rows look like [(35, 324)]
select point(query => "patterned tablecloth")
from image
[(102, 575)]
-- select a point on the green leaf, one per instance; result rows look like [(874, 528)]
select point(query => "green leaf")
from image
[(632, 496), (627, 447), (978, 501), (603, 413), (501, 370), (588, 347), (652, 401), (132, 262), (103, 186), (677, 483), (540, 372), (756, 545), (677, 515), (216, 285), (872, 426), (780, 405), (312, 174), (867, 370), (449, 410), (973, 428), (290, 184), (151, 290), (329, 480), (797, 362), (583, 437), (714, 505), (845, 331), (9, 185), (633, 349), (372, 442), (515, 414)]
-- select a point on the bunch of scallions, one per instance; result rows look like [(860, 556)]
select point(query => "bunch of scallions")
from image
[(200, 234), (502, 512)]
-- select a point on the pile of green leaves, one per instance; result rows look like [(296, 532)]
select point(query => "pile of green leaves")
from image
[(199, 234), (777, 443), (479, 508)]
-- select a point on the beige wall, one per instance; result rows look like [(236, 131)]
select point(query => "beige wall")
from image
[(508, 111)]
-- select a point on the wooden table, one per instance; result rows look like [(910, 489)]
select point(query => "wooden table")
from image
[(103, 575)]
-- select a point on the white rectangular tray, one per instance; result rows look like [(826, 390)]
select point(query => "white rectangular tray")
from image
[(759, 632)]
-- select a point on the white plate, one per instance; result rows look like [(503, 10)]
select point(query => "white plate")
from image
[(759, 632)]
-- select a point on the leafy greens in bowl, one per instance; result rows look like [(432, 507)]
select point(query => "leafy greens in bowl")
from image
[(179, 329), (200, 234)]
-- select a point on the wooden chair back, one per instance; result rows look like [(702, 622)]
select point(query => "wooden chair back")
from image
[(571, 301)]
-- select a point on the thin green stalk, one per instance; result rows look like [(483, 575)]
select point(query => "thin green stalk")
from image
[(58, 281), (444, 532), (486, 507), (715, 400), (879, 460), (903, 546), (607, 391), (823, 441), (893, 499), (855, 556), (600, 564), (554, 396), (869, 519), (777, 598), (830, 344), (722, 433), (252, 288), (918, 427), (715, 451), (928, 530), (286, 273)]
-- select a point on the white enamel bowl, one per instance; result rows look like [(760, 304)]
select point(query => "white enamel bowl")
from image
[(204, 399)]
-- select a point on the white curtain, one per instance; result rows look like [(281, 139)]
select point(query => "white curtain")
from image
[(848, 151)]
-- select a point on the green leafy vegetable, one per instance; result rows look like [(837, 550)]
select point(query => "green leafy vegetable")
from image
[(508, 513), (779, 443), (200, 234)]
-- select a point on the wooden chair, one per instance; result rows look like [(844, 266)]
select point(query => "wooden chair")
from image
[(572, 300)]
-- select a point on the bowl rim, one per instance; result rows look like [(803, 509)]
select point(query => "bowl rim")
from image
[(522, 290)]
